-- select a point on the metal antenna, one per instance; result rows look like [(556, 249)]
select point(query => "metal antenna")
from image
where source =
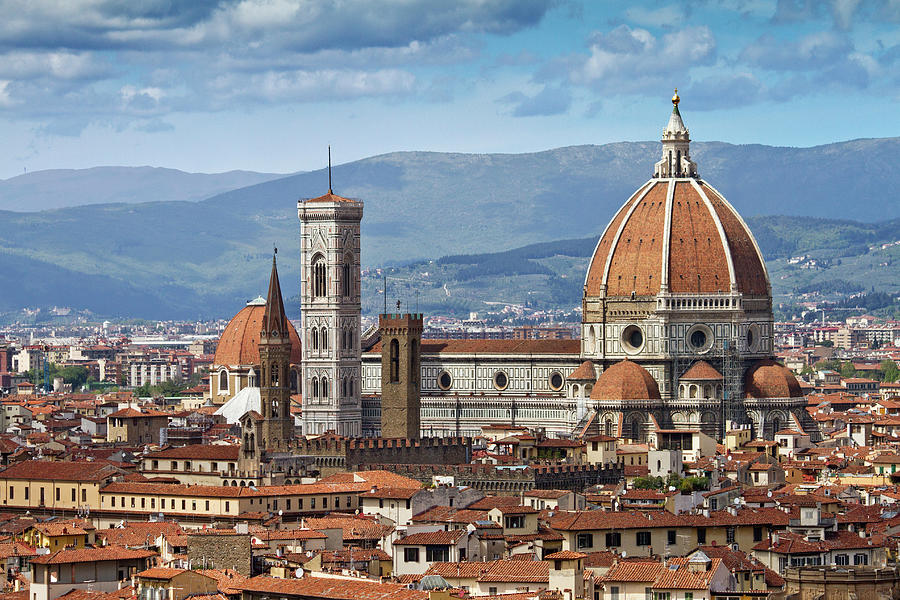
[(329, 169), (384, 274)]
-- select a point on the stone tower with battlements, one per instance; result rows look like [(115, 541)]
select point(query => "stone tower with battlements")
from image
[(401, 340), (330, 313)]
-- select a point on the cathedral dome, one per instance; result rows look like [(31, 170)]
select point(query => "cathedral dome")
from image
[(769, 379), (676, 233), (625, 380), (239, 344)]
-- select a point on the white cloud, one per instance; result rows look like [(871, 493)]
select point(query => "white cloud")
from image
[(632, 60), (665, 16)]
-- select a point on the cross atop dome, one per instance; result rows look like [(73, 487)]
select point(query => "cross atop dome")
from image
[(676, 141)]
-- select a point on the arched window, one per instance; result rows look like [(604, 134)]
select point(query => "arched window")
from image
[(324, 339), (395, 361), (295, 382), (350, 386), (325, 387), (315, 387), (273, 376), (314, 335), (319, 277), (223, 381), (345, 276), (344, 387)]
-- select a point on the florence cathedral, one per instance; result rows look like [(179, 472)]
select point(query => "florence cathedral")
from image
[(676, 334)]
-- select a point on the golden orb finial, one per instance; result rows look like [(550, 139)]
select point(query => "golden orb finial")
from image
[(675, 98)]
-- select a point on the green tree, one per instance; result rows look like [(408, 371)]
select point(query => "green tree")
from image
[(75, 375), (694, 484), (847, 370), (648, 483), (889, 371)]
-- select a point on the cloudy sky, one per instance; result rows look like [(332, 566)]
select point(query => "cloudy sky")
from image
[(265, 85)]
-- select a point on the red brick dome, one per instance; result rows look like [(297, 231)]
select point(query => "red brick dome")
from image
[(769, 379), (707, 247), (584, 372), (239, 344), (625, 380)]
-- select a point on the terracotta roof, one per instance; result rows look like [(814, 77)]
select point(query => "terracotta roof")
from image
[(565, 555), (331, 197), (58, 528), (59, 470), (86, 595), (136, 533), (661, 576), (375, 478), (511, 571), (702, 370), (354, 528), (625, 380), (769, 379), (81, 555), (546, 494), (443, 538), (227, 579), (130, 412), (161, 573), (200, 452), (585, 371), (332, 589), (391, 492), (239, 344)]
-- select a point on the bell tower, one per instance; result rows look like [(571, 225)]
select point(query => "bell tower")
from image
[(401, 340), (277, 427), (330, 313)]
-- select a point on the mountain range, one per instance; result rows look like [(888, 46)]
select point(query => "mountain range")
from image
[(178, 257), (63, 188)]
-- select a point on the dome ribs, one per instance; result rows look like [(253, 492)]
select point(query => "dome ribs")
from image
[(636, 264), (597, 268), (697, 259), (749, 268)]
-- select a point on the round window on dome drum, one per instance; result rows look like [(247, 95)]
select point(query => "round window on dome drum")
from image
[(556, 381), (632, 338), (753, 338), (501, 380), (700, 338), (444, 380)]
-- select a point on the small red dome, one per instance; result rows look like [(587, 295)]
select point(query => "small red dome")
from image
[(585, 371), (701, 371), (239, 344), (625, 380), (769, 379)]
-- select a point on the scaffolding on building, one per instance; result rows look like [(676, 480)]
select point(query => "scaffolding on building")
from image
[(733, 411)]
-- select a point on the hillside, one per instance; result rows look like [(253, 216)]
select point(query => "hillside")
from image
[(65, 188), (198, 259), (550, 275)]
